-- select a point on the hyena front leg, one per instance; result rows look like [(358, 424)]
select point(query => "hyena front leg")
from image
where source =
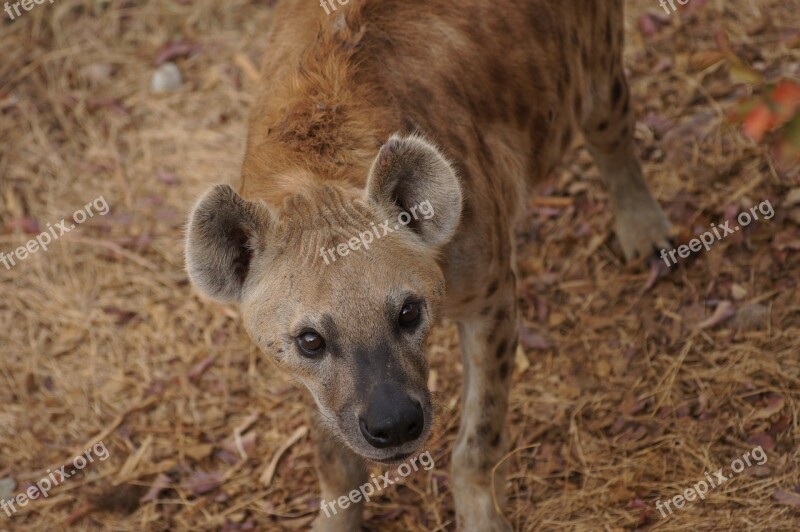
[(488, 344), (340, 472)]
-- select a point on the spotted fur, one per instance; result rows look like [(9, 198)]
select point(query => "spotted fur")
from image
[(492, 92)]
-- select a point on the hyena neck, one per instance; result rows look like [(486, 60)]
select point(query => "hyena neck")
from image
[(317, 123)]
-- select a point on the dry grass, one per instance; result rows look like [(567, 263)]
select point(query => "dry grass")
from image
[(624, 398)]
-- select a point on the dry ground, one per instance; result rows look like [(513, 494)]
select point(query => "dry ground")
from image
[(623, 395)]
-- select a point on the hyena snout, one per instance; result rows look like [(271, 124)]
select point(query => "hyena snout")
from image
[(392, 418)]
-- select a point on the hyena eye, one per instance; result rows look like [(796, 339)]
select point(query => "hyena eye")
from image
[(311, 343), (409, 314)]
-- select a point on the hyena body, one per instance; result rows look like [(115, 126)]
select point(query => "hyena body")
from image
[(500, 88)]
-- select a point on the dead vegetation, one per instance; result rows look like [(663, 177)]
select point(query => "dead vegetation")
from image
[(628, 389)]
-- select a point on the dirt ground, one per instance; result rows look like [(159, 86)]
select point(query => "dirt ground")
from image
[(628, 389)]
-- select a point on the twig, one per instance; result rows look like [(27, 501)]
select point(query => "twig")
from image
[(266, 476)]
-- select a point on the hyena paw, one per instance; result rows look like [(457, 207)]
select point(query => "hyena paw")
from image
[(478, 514), (324, 523), (642, 229), (483, 523)]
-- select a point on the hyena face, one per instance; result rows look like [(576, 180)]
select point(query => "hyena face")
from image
[(353, 332), (351, 327)]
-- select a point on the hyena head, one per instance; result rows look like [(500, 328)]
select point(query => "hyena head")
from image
[(340, 288)]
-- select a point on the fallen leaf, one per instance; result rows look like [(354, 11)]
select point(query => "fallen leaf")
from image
[(780, 426), (657, 270), (200, 368), (174, 50), (631, 405), (775, 404), (742, 73), (26, 224), (764, 441), (199, 452), (704, 59), (542, 309), (760, 26), (160, 483), (792, 198), (787, 96), (96, 73), (647, 25), (532, 340), (123, 317), (243, 444), (168, 178), (201, 482), (787, 497), (227, 457), (723, 43), (751, 317), (521, 362), (664, 64), (758, 471), (603, 368), (658, 123), (619, 493), (738, 292), (758, 122), (787, 240), (723, 312)]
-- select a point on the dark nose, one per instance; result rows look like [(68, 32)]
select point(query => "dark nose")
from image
[(392, 419)]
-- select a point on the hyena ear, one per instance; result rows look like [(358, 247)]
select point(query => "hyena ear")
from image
[(223, 234), (409, 172)]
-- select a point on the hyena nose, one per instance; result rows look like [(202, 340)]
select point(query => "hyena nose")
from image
[(392, 421)]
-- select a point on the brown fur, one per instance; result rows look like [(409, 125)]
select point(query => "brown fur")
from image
[(501, 88)]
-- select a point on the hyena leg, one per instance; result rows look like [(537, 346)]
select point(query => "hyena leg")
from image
[(609, 125), (340, 472), (488, 344)]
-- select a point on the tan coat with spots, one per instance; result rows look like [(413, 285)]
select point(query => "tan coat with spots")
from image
[(484, 96)]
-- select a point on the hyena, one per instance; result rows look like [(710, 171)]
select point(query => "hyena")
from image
[(385, 105)]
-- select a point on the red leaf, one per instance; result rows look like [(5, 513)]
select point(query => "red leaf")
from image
[(758, 122), (787, 94)]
